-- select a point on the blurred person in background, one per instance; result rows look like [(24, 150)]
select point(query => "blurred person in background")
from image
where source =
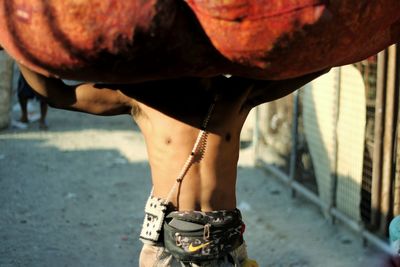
[(25, 93)]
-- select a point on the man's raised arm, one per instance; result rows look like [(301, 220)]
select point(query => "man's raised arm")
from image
[(266, 91), (86, 97)]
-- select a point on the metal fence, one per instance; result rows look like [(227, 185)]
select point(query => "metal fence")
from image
[(335, 142)]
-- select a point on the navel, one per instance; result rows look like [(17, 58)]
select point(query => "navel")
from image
[(168, 140)]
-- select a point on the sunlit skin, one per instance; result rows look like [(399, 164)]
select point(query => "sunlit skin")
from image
[(169, 114)]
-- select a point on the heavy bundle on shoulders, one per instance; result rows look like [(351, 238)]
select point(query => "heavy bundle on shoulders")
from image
[(132, 41)]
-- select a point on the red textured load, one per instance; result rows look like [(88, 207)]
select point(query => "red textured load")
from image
[(135, 40), (286, 38)]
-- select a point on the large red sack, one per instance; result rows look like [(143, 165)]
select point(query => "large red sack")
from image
[(136, 40), (286, 38)]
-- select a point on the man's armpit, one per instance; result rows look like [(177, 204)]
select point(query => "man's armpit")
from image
[(136, 111), (267, 91)]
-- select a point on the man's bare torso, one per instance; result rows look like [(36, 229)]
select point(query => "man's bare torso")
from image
[(170, 135), (170, 114)]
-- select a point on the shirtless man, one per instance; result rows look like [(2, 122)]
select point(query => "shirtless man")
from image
[(197, 184)]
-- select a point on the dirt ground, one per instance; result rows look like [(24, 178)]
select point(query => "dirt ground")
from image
[(73, 196)]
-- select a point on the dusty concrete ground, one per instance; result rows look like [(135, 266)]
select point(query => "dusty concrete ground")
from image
[(73, 196)]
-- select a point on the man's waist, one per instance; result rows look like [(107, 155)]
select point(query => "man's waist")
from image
[(201, 236), (188, 199)]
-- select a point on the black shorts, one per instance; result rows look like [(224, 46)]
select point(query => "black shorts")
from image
[(24, 90)]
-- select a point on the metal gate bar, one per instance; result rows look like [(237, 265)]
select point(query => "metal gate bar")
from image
[(311, 196)]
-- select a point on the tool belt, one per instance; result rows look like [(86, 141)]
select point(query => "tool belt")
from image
[(202, 236)]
